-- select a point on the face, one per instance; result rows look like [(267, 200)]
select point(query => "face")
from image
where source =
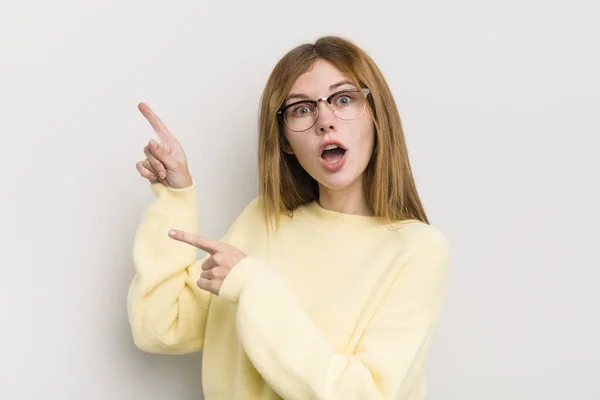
[(340, 168)]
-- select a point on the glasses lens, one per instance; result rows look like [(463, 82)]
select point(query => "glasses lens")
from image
[(348, 105), (300, 116)]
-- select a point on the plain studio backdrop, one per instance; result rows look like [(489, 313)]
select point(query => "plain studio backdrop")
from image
[(500, 105)]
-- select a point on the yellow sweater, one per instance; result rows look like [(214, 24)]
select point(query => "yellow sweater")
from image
[(334, 306)]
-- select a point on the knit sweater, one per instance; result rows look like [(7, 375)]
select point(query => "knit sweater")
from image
[(331, 306)]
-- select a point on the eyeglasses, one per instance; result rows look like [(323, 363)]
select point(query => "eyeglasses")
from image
[(346, 105)]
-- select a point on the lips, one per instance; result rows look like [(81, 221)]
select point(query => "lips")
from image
[(333, 155), (330, 145)]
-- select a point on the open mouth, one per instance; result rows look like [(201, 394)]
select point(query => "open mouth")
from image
[(332, 153)]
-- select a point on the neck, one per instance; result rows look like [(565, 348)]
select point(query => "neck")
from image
[(349, 200)]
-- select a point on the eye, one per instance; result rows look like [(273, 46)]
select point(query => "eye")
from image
[(343, 99), (302, 110)]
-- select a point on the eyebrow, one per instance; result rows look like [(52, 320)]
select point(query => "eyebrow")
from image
[(303, 96)]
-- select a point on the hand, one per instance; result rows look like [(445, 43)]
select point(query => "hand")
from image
[(165, 161), (223, 257)]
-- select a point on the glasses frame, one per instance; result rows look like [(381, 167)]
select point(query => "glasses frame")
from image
[(328, 100)]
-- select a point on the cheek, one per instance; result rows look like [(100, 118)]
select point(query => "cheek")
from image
[(291, 141), (367, 137), (365, 144), (297, 145)]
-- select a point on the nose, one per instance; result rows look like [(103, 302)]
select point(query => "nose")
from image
[(325, 119)]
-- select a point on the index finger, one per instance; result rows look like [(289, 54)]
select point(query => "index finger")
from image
[(206, 244), (159, 127)]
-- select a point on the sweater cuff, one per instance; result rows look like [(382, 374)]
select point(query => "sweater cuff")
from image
[(238, 277), (175, 200)]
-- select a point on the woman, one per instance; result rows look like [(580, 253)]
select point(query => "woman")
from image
[(329, 285)]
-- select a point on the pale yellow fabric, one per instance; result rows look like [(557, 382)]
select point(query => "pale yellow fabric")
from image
[(333, 306)]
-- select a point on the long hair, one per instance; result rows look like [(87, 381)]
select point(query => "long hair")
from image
[(388, 181)]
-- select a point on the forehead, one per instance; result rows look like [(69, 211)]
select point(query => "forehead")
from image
[(318, 78)]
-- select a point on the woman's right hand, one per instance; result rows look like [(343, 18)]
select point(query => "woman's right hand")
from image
[(165, 161)]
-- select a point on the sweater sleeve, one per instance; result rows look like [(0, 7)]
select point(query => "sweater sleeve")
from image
[(166, 309), (293, 355)]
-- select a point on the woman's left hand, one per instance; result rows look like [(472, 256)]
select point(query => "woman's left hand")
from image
[(223, 257)]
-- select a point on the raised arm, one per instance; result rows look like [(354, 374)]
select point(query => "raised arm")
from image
[(167, 311)]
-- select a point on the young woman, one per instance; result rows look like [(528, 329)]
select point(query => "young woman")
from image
[(330, 284)]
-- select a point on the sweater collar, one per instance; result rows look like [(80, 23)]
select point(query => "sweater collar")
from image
[(316, 212)]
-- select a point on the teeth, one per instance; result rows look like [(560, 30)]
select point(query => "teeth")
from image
[(330, 147)]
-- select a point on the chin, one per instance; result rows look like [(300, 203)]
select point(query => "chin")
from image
[(338, 181), (346, 176)]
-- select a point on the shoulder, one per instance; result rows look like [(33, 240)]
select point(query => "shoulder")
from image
[(249, 219), (249, 213), (423, 240), (419, 233), (252, 209), (244, 225)]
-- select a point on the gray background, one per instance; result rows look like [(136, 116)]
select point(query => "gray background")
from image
[(500, 104)]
